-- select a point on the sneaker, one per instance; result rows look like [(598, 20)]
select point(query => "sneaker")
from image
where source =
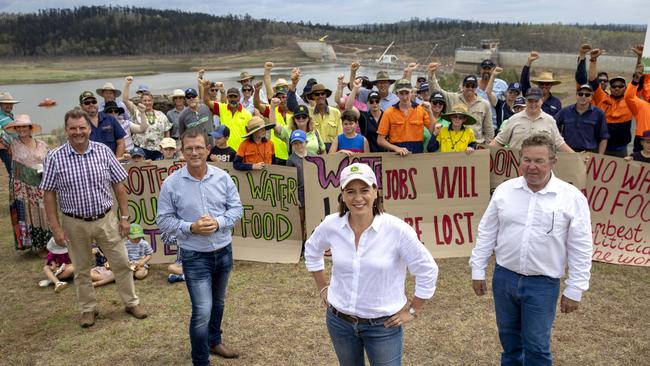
[(137, 311), (175, 278), (60, 286), (44, 283)]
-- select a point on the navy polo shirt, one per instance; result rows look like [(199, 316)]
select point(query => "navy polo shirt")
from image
[(107, 132), (582, 131)]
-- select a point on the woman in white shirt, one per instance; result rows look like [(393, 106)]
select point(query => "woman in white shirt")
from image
[(371, 251)]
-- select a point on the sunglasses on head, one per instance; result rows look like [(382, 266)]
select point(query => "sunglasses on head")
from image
[(583, 94), (89, 102)]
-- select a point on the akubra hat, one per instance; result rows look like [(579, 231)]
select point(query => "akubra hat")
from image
[(383, 76), (255, 124), (244, 75), (320, 88), (23, 120), (5, 97), (546, 77), (460, 109), (109, 86)]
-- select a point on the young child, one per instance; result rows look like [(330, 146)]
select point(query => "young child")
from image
[(349, 142), (256, 151), (644, 154), (457, 137), (137, 155), (220, 150), (176, 268), (58, 267), (101, 274), (168, 148), (299, 151), (139, 251)]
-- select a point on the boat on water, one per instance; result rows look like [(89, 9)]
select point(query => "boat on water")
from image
[(47, 102)]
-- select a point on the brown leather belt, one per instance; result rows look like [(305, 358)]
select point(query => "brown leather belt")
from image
[(91, 218), (356, 320)]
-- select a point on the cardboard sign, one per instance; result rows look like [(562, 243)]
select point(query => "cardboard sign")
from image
[(619, 199), (442, 196), (269, 230)]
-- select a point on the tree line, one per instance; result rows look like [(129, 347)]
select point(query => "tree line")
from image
[(119, 31)]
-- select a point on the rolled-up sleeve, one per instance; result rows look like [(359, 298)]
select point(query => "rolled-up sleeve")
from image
[(419, 262)]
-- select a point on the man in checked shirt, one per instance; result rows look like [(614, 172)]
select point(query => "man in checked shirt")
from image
[(82, 173)]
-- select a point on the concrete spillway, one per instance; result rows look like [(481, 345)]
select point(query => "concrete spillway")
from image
[(318, 50)]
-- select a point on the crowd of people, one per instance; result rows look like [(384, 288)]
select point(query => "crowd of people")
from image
[(256, 124)]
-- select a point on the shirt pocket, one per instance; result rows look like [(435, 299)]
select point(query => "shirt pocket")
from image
[(552, 222), (250, 157), (331, 129)]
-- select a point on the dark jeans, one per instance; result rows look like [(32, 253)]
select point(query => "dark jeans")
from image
[(525, 310), (6, 159), (382, 345), (152, 154), (206, 277)]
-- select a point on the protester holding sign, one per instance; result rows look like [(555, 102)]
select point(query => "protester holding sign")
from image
[(200, 205), (536, 225), (374, 249)]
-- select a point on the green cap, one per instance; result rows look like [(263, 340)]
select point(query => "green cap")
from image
[(136, 231), (86, 95), (403, 84)]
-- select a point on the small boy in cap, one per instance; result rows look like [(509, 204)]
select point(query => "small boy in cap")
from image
[(643, 154), (298, 141), (168, 148), (137, 155), (220, 150), (139, 251)]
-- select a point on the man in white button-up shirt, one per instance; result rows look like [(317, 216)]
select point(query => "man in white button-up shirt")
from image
[(536, 225)]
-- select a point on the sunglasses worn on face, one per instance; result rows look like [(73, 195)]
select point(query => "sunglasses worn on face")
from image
[(89, 102), (373, 101), (515, 92), (437, 103), (247, 90), (319, 94), (544, 84), (581, 94), (190, 96), (603, 81), (214, 90), (470, 86), (617, 86), (301, 116)]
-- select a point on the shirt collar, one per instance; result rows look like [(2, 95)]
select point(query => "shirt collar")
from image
[(237, 109), (376, 222), (71, 151), (186, 174), (551, 187)]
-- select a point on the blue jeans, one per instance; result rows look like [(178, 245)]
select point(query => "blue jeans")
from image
[(206, 277), (382, 345), (525, 310)]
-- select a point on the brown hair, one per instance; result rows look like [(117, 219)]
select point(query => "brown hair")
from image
[(75, 113), (349, 115), (192, 134), (310, 124), (540, 140), (377, 205)]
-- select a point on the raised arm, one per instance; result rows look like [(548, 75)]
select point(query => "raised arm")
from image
[(593, 67), (488, 89), (340, 84), (125, 94), (199, 84), (268, 84), (356, 85), (433, 81), (354, 67), (581, 68), (408, 70), (275, 102), (524, 78), (204, 85), (143, 125), (257, 101)]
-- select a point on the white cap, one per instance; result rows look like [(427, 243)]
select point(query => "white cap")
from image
[(53, 247), (358, 171)]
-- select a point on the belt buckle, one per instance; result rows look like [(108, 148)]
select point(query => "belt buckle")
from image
[(355, 319), (94, 218)]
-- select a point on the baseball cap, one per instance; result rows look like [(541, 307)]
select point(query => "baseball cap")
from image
[(358, 171), (487, 63), (470, 79), (137, 151), (403, 84), (421, 79), (221, 131), (86, 95), (519, 102), (298, 135), (514, 86), (167, 142), (534, 93), (423, 87), (586, 86), (373, 95), (136, 231), (646, 135), (302, 110), (142, 88), (436, 96), (233, 91), (619, 78), (191, 91)]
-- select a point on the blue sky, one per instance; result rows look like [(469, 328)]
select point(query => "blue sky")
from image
[(384, 11)]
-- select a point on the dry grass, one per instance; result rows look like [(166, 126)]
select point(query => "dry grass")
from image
[(273, 317)]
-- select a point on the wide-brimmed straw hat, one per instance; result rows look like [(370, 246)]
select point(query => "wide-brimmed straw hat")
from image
[(546, 77), (255, 124), (460, 109), (23, 120), (177, 93), (320, 88), (109, 86), (383, 76), (244, 75), (5, 97)]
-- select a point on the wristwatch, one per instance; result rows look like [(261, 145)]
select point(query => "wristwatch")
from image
[(127, 217), (412, 312)]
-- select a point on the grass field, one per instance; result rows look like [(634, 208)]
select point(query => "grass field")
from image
[(274, 318)]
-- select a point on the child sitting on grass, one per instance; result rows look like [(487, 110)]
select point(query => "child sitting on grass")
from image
[(139, 251), (101, 274), (175, 269), (58, 267), (256, 151), (349, 142)]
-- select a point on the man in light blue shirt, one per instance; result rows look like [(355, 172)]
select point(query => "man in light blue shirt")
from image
[(499, 87), (200, 205)]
